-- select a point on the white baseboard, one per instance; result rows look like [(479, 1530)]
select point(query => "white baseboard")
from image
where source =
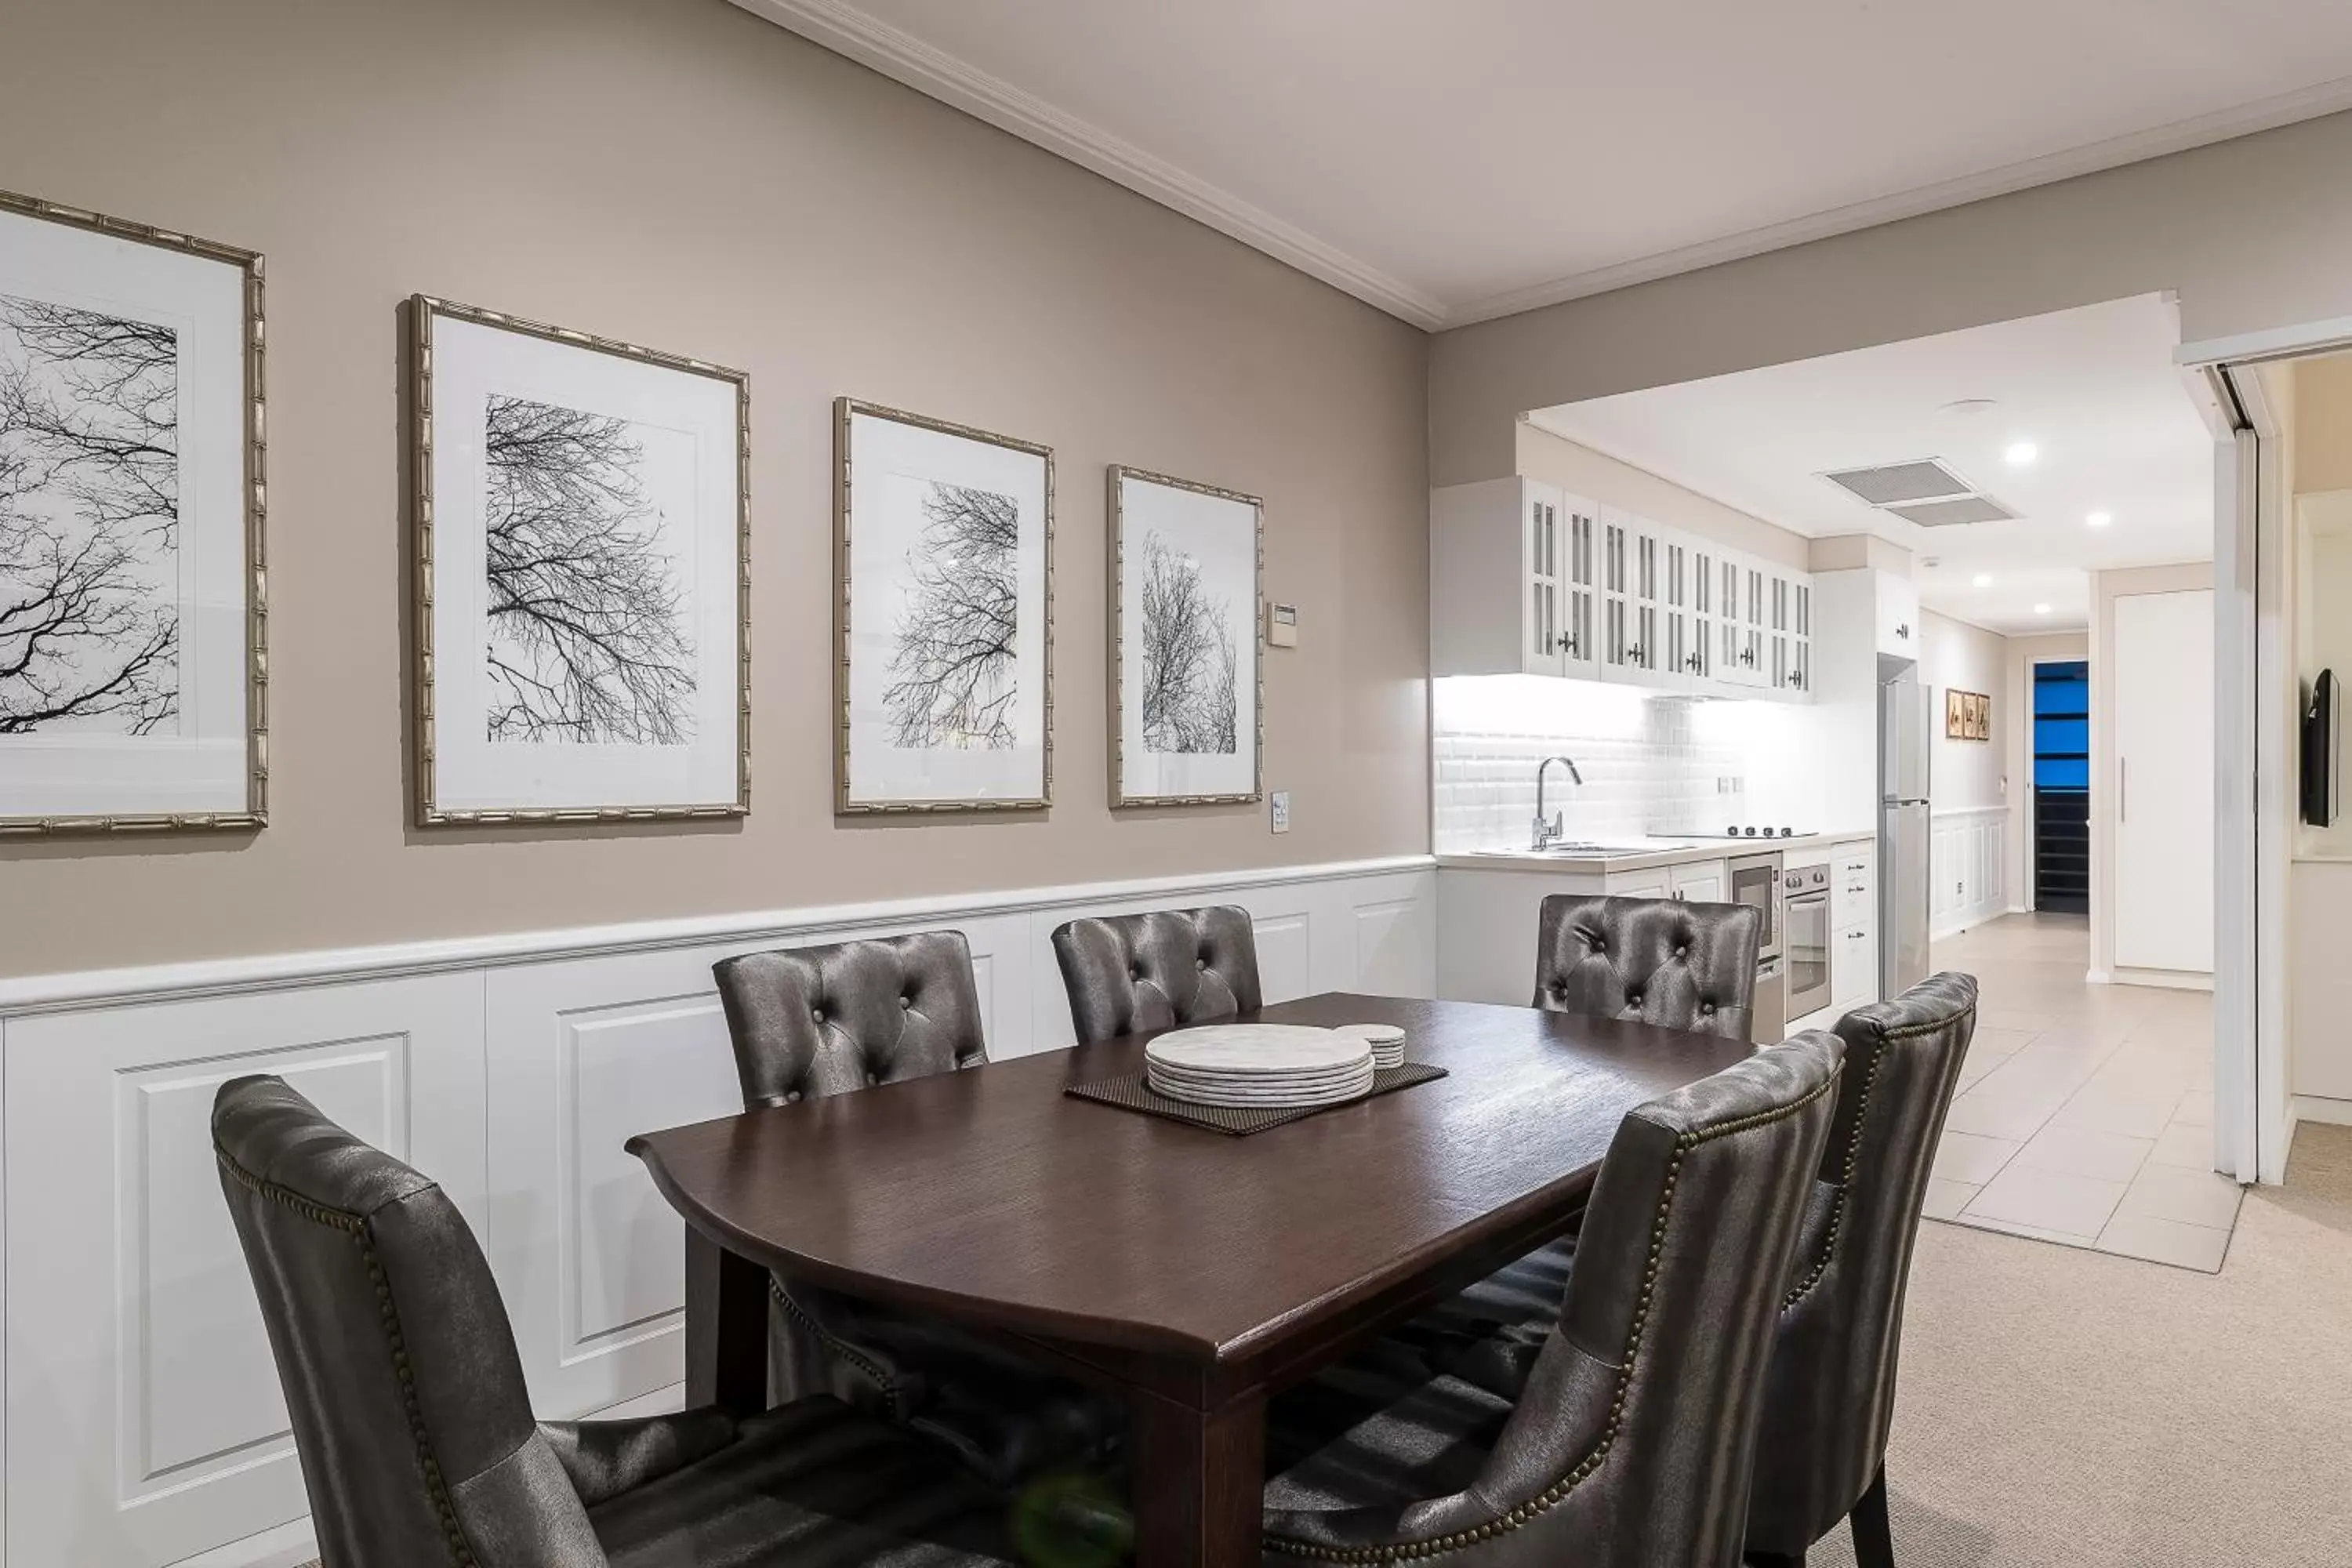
[(2097, 977), (2164, 979), (290, 1545), (2319, 1108)]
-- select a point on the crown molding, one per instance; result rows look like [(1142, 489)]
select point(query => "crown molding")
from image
[(909, 61), (2092, 158)]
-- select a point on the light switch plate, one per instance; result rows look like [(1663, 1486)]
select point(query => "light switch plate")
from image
[(1281, 799)]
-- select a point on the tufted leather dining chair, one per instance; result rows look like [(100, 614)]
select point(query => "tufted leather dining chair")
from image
[(1649, 961), (1126, 973), (1830, 1397), (414, 1428), (816, 1021), (1631, 1443)]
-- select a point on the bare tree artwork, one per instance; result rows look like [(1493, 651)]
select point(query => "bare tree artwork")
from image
[(89, 515), (1189, 683), (588, 640), (953, 680)]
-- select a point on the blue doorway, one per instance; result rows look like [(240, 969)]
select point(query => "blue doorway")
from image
[(2061, 786)]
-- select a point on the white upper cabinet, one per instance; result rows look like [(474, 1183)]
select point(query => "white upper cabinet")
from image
[(1525, 578), (1898, 617)]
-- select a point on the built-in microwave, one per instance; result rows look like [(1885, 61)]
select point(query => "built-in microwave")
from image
[(1755, 882)]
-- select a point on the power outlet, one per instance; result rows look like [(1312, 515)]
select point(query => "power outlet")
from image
[(1281, 799)]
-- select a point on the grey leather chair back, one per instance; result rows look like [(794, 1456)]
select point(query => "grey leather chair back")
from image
[(1131, 972), (1829, 1398), (1632, 1442), (814, 1021), (1650, 961), (400, 1372)]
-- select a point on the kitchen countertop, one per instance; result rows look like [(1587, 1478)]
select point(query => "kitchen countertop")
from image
[(1630, 857)]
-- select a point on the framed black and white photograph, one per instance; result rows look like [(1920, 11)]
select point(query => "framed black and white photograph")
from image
[(131, 571), (945, 549), (1187, 701), (582, 576)]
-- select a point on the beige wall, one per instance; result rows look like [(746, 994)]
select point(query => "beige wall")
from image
[(687, 176), (1598, 477), (2252, 233), (1964, 774), (2015, 728)]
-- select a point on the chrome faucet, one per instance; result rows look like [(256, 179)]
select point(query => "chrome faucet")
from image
[(1547, 831)]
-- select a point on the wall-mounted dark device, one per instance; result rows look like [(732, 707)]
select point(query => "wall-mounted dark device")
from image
[(2323, 724)]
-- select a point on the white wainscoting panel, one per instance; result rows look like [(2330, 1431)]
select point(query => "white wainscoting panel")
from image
[(1966, 862), (143, 1416), (143, 1423)]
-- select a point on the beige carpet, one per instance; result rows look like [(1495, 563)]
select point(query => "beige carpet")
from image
[(2062, 1408)]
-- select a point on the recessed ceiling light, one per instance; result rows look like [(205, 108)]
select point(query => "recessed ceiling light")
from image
[(2040, 609), (2100, 519), (1982, 580), (2020, 453), (1970, 407)]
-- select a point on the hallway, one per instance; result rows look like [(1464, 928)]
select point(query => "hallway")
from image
[(2085, 1114)]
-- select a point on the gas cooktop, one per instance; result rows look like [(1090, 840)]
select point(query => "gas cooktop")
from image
[(1758, 834)]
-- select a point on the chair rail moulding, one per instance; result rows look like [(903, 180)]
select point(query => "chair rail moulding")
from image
[(29, 994)]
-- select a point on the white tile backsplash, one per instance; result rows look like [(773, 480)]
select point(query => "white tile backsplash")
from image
[(1652, 761)]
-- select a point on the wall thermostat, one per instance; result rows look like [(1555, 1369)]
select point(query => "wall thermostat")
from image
[(1282, 625)]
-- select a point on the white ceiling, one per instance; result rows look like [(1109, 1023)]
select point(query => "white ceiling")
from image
[(1454, 163), (2095, 390)]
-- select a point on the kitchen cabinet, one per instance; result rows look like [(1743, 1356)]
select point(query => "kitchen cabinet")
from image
[(1898, 617), (1853, 917), (1513, 576), (1701, 882), (1528, 578)]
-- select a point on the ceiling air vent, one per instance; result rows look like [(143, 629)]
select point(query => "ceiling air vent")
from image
[(1923, 492), (1923, 481), (1949, 514)]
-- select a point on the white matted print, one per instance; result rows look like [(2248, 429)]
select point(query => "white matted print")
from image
[(946, 553), (582, 563), (1187, 701), (130, 527)]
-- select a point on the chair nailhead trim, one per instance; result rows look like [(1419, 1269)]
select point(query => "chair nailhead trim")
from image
[(461, 1554), (1885, 1038), (842, 1348), (1552, 1496)]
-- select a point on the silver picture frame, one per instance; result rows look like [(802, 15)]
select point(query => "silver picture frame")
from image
[(253, 537), (424, 312), (847, 802), (1123, 641)]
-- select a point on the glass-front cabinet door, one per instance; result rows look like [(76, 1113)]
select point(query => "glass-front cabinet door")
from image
[(1801, 640), (1698, 660), (1544, 632), (1580, 651), (1617, 637)]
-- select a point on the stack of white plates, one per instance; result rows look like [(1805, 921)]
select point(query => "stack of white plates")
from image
[(1386, 1039), (1267, 1066)]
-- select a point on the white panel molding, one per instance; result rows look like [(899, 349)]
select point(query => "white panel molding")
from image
[(38, 994), (143, 1424), (1967, 863), (2319, 1108), (909, 61)]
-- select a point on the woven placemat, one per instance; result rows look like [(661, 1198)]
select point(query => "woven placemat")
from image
[(1131, 1093)]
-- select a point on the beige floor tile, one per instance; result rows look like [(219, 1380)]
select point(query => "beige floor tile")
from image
[(2197, 1108), (2191, 1197), (2035, 1231), (2135, 1114), (2184, 1144), (1991, 1116), (2197, 1246), (2077, 1207), (1946, 1199), (1971, 1157), (2082, 1151)]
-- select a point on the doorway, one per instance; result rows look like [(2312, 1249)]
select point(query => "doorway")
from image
[(2061, 786)]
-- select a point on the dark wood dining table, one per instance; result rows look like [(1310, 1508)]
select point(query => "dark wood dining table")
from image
[(1191, 1272)]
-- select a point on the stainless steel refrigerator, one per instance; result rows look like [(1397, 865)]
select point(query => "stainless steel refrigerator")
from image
[(1904, 742)]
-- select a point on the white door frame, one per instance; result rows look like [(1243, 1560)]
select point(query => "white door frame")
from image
[(2253, 1110), (2029, 894)]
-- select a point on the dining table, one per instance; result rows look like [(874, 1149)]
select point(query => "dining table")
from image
[(1191, 1272)]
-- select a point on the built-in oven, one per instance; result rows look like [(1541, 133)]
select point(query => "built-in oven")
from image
[(1755, 882), (1805, 910)]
